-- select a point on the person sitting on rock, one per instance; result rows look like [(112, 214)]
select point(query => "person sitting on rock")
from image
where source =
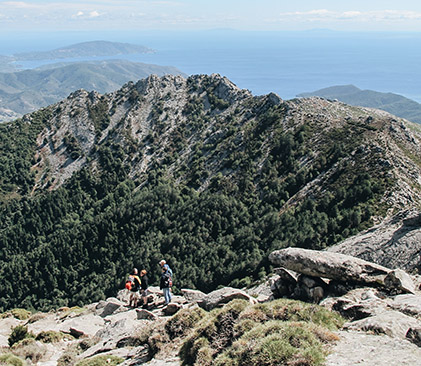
[(166, 283), (144, 283), (134, 291)]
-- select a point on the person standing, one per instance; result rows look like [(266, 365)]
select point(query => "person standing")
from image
[(134, 291), (166, 283), (144, 283)]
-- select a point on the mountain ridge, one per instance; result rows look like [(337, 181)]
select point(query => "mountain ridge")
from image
[(194, 170)]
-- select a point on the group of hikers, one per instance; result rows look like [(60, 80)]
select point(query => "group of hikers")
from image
[(138, 286)]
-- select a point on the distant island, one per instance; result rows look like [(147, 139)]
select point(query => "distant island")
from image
[(85, 49), (10, 63), (393, 103)]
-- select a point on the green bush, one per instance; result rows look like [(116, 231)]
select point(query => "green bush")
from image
[(21, 314), (275, 343), (50, 336), (29, 349), (281, 332), (183, 321), (19, 333), (101, 361), (9, 359)]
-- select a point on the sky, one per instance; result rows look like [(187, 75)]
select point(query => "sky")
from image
[(350, 15)]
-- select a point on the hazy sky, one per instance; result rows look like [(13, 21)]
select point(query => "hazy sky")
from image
[(379, 15)]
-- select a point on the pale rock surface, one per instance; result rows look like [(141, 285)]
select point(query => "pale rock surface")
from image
[(394, 243), (265, 291), (87, 324), (407, 304), (391, 323), (223, 296), (330, 265), (399, 281), (359, 348), (193, 295)]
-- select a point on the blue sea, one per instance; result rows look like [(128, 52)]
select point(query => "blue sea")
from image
[(287, 63)]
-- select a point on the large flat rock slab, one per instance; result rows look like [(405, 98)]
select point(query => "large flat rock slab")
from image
[(329, 265)]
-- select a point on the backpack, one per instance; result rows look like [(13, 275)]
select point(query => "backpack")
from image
[(168, 280), (130, 283)]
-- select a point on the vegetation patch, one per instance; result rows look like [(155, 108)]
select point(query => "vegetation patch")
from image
[(101, 361), (281, 332), (50, 336), (29, 349), (18, 334), (12, 360)]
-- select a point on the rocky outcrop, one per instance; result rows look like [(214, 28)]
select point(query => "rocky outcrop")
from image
[(394, 243), (342, 268), (329, 265)]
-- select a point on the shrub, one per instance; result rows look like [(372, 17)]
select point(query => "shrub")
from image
[(183, 321), (19, 333), (101, 361), (275, 343), (9, 359), (68, 358), (21, 314), (281, 332), (292, 310), (50, 336), (213, 333), (36, 317), (28, 348)]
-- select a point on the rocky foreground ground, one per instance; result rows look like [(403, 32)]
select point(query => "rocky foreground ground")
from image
[(382, 308)]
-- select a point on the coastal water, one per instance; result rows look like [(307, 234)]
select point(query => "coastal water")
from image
[(287, 63)]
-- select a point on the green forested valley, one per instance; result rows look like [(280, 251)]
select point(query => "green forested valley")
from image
[(195, 171)]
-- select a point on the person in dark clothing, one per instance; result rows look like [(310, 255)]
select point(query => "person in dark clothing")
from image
[(144, 283), (165, 284), (134, 291)]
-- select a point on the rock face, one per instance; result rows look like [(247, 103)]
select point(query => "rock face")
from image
[(394, 243), (223, 296), (330, 265)]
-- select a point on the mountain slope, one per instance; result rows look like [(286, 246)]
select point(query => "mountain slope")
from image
[(193, 170), (25, 91), (389, 102)]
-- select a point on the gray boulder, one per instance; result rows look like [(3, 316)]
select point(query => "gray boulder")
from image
[(145, 314), (172, 308), (329, 265), (285, 284), (398, 281), (193, 296), (223, 296), (86, 325), (391, 323), (407, 304), (265, 291), (112, 306)]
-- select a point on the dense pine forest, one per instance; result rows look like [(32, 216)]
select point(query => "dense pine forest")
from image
[(214, 182)]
